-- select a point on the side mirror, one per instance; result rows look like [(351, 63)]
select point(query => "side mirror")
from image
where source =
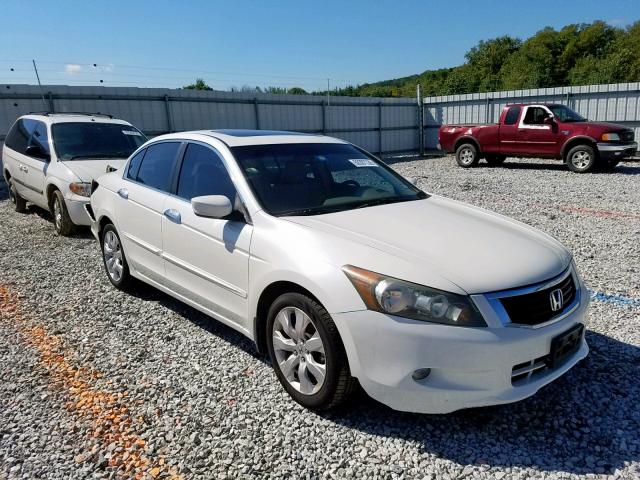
[(212, 206), (37, 151), (549, 120), (412, 180)]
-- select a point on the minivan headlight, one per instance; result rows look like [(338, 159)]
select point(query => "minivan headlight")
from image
[(81, 188), (404, 299)]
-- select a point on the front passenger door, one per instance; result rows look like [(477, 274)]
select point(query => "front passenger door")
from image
[(207, 259)]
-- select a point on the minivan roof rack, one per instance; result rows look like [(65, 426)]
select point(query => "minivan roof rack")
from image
[(89, 114)]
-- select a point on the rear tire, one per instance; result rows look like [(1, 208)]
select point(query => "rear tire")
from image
[(307, 353), (19, 203), (467, 155), (495, 160), (61, 221), (581, 159), (114, 259)]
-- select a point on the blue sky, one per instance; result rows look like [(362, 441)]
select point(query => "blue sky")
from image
[(237, 42)]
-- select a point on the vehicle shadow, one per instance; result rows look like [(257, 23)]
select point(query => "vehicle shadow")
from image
[(82, 232), (585, 422), (623, 168), (4, 189)]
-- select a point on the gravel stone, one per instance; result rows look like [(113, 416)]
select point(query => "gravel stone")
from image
[(94, 379)]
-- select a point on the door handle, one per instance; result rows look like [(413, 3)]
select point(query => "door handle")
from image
[(124, 193), (173, 215)]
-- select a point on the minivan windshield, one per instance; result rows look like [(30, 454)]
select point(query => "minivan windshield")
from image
[(95, 140), (316, 178), (565, 114)]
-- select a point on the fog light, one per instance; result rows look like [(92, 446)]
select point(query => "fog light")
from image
[(421, 374)]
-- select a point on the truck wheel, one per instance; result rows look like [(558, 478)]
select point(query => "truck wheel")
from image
[(495, 160), (467, 155), (19, 203), (581, 159)]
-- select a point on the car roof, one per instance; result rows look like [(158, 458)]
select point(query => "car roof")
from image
[(241, 137), (62, 117)]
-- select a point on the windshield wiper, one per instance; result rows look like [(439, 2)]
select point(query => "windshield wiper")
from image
[(96, 155), (384, 201), (310, 211)]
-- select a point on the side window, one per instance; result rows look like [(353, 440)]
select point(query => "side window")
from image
[(39, 136), (512, 116), (134, 165), (157, 165), (18, 137), (535, 116), (204, 173)]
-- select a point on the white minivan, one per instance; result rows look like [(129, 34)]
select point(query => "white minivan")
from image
[(344, 271), (51, 159)]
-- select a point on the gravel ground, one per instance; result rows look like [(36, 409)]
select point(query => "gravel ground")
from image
[(101, 384)]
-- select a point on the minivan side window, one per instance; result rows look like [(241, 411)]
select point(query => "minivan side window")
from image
[(39, 136), (134, 164), (512, 116), (204, 173), (18, 137), (157, 165)]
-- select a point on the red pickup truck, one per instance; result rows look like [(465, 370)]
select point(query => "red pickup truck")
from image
[(543, 131)]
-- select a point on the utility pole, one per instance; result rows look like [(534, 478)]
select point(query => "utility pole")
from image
[(420, 119), (44, 103), (328, 90)]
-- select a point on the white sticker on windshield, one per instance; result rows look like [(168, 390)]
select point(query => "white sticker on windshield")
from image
[(363, 162), (132, 132)]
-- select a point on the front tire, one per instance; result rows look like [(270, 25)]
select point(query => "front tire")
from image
[(19, 203), (307, 353), (61, 221), (467, 155), (581, 159), (114, 259)]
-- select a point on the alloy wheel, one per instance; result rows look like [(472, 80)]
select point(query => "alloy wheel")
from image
[(57, 214), (466, 156), (581, 159), (299, 350), (112, 252)]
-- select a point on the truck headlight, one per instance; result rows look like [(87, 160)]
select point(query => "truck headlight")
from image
[(409, 300), (610, 137), (81, 188)]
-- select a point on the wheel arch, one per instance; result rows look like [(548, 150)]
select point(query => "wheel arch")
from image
[(575, 141), (467, 139)]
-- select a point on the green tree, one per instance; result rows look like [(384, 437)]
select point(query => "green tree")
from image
[(198, 85), (297, 91)]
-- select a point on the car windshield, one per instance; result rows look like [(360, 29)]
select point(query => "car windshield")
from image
[(95, 140), (565, 114), (316, 178)]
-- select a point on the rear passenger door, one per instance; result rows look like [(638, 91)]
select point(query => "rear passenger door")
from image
[(207, 259), (147, 182), (36, 161), (509, 143)]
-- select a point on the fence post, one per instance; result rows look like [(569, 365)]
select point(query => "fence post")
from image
[(420, 113), (324, 117), (167, 108), (50, 98), (380, 129), (257, 110)]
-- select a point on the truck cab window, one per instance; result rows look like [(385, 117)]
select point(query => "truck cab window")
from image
[(535, 116)]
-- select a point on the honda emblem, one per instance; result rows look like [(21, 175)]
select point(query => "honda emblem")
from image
[(556, 299)]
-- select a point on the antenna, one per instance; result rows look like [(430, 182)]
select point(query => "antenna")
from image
[(39, 84)]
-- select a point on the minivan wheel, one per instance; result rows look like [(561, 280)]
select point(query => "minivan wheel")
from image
[(19, 203), (307, 353), (61, 221), (467, 155), (581, 159), (114, 259)]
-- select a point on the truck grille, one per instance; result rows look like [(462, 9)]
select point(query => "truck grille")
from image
[(535, 308), (627, 136)]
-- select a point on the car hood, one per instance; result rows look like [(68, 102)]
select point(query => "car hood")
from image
[(88, 170), (437, 238), (605, 127)]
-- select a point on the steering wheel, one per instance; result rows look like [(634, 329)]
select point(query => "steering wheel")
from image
[(351, 183)]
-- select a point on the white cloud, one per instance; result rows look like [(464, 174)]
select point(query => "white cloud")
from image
[(73, 69)]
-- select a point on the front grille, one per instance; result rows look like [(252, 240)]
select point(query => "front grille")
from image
[(627, 136), (535, 308)]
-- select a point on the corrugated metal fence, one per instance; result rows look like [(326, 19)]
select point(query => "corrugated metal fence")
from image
[(618, 103), (380, 125)]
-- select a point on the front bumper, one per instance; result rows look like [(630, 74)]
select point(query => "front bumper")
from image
[(78, 211), (470, 367), (617, 151)]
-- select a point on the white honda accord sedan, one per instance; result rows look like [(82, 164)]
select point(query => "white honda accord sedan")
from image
[(344, 271)]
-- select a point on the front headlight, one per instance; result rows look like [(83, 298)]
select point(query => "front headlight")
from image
[(81, 188), (610, 137), (405, 299)]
